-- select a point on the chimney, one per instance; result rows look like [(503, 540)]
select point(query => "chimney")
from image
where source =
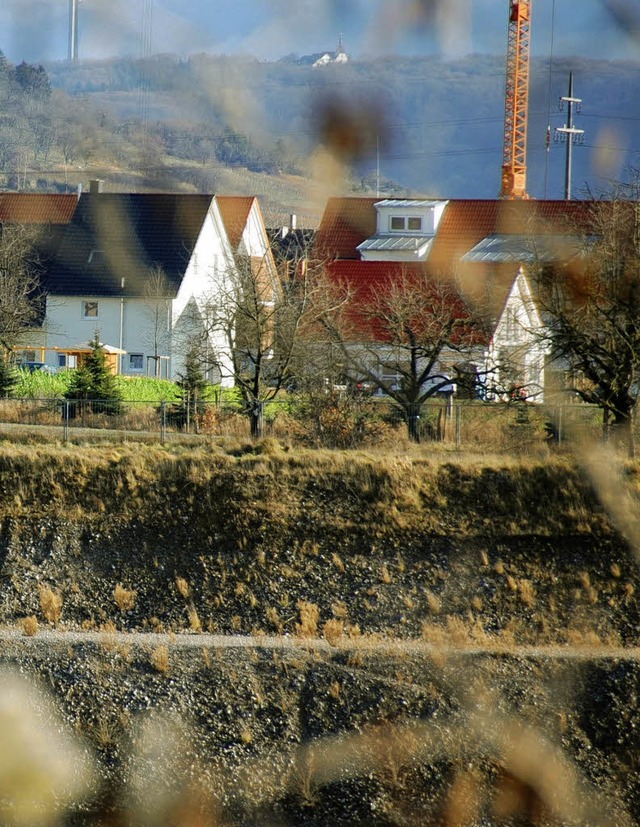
[(293, 221), (95, 186)]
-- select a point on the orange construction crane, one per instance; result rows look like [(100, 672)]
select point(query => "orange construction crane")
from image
[(514, 160)]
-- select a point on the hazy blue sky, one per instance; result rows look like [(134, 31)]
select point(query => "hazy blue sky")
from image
[(36, 30)]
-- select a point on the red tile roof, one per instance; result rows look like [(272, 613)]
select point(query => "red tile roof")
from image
[(370, 281), (349, 221), (235, 213), (466, 222), (345, 223), (36, 208)]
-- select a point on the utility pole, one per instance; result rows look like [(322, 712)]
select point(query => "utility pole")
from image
[(73, 29), (569, 134)]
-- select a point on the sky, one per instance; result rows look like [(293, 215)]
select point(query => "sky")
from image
[(36, 30)]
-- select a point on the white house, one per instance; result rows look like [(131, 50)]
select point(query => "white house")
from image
[(140, 269)]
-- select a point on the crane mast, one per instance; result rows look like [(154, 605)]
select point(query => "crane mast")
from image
[(514, 159)]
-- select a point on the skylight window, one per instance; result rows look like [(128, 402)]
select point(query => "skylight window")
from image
[(96, 257)]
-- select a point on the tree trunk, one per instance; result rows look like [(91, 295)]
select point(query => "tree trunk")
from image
[(256, 414), (412, 412), (622, 431)]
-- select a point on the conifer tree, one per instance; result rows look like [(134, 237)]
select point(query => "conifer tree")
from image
[(192, 387), (95, 383), (8, 378)]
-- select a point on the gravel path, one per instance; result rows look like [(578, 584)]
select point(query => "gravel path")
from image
[(370, 644)]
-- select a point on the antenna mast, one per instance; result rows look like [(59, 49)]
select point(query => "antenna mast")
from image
[(73, 29), (514, 158)]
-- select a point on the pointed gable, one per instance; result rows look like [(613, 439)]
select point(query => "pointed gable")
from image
[(369, 281), (467, 223)]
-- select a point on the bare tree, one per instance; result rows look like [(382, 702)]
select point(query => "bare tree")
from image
[(157, 296), (404, 335), (593, 307), (259, 319), (20, 290)]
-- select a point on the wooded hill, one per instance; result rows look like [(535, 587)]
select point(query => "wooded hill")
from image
[(438, 125)]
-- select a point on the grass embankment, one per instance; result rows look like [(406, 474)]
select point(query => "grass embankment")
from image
[(251, 537), (254, 538)]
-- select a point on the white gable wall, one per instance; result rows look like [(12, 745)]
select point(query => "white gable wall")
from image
[(518, 335)]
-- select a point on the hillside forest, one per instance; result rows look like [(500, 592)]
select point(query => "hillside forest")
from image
[(205, 123)]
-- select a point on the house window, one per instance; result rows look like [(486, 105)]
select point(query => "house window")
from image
[(397, 222), (512, 326), (90, 310), (414, 224), (136, 361), (62, 360)]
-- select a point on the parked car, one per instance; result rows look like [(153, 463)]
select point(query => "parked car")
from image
[(32, 367)]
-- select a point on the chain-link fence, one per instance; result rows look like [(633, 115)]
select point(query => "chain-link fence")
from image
[(324, 420)]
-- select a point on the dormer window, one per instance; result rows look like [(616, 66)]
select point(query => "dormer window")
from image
[(401, 223), (405, 229)]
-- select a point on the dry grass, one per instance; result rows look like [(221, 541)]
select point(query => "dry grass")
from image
[(160, 659), (125, 598), (332, 631), (309, 616), (29, 625), (50, 604), (195, 624), (183, 587), (527, 592)]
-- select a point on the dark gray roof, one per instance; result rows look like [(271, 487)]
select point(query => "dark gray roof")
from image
[(296, 244), (114, 236)]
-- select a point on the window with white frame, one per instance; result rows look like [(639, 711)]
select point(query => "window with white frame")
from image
[(401, 223), (512, 325), (90, 310)]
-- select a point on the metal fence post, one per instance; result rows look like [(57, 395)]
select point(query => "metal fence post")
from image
[(163, 422), (560, 424), (65, 422), (458, 425)]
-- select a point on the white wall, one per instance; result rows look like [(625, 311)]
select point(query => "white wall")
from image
[(66, 327)]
